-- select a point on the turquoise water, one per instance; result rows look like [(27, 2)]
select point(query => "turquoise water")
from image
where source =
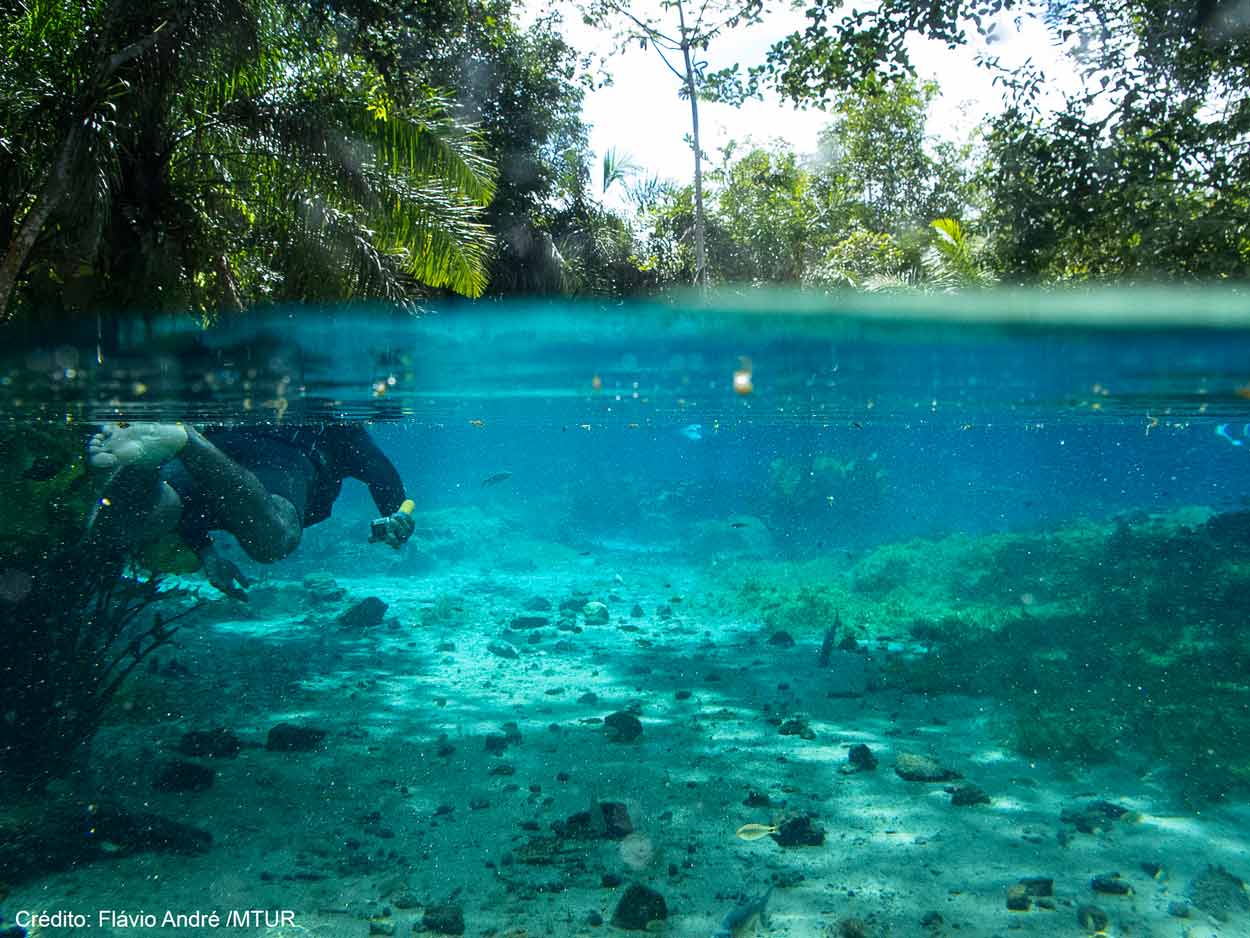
[(670, 565)]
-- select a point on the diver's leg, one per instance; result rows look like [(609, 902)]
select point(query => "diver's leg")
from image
[(133, 506), (267, 526)]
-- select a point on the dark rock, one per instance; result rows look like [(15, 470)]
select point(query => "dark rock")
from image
[(579, 826), (664, 612), (1178, 909), (53, 838), (496, 743), (914, 767), (503, 768), (534, 638), (610, 881), (529, 622), (445, 646), (797, 726), (1018, 898), (1154, 870), (616, 822), (590, 697), (800, 831), (757, 799), (1038, 886), (1093, 817), (537, 604), (1093, 919), (638, 906), (287, 737), (322, 588), (574, 603), (184, 776), (211, 744), (444, 919), (637, 612), (682, 695), (963, 796), (862, 758), (502, 649), (1110, 884), (594, 919), (622, 727), (851, 928), (781, 639), (366, 614), (932, 920), (478, 804)]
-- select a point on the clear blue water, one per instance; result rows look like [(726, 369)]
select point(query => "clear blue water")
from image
[(1007, 510)]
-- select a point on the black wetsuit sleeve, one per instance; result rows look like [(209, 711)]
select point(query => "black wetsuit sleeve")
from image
[(363, 460)]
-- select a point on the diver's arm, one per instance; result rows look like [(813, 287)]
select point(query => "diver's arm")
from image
[(366, 462), (363, 460)]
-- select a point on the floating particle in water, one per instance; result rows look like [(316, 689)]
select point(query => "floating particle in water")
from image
[(693, 431), (742, 377)]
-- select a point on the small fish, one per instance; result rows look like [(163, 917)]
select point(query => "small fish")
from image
[(477, 423), (756, 831), (737, 524), (743, 919), (693, 432), (496, 479)]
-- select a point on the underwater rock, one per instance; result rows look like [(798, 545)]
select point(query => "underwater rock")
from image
[(211, 744), (1178, 909), (616, 822), (537, 604), (1093, 817), (590, 697), (638, 906), (1110, 884), (1039, 887), (1018, 898), (637, 612), (914, 767), (1093, 919), (52, 840), (445, 919), (846, 674), (1219, 893), (622, 727), (963, 796), (183, 776), (800, 831), (796, 726), (596, 614), (322, 588), (502, 649), (366, 614), (859, 758), (850, 928), (287, 737), (575, 603), (520, 623), (781, 639)]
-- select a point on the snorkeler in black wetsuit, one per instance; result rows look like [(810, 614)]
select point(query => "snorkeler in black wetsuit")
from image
[(264, 485)]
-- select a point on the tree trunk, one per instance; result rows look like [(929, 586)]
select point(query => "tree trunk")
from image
[(700, 243), (30, 227)]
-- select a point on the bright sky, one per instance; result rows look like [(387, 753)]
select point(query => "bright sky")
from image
[(642, 117)]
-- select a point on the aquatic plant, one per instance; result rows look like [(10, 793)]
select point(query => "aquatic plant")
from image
[(71, 644)]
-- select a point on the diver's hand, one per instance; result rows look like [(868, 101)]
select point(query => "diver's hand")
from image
[(223, 573), (399, 528)]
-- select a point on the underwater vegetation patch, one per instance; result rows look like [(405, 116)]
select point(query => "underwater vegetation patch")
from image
[(1105, 639)]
